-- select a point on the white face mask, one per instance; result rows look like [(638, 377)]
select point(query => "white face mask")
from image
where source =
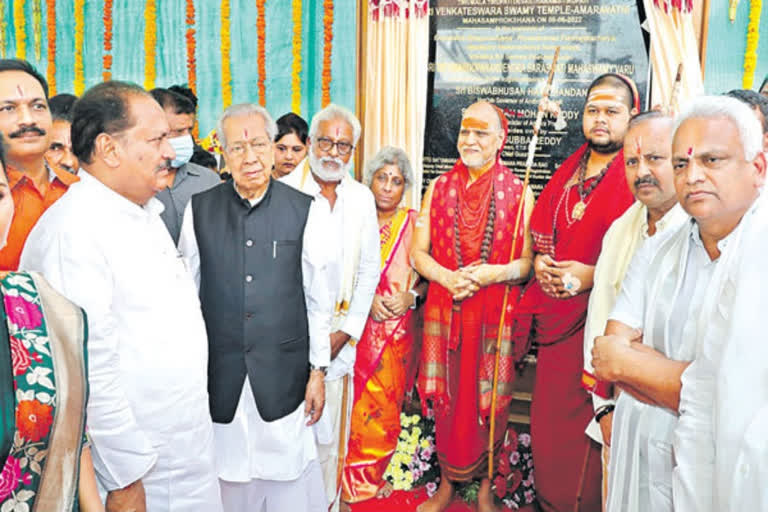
[(184, 146)]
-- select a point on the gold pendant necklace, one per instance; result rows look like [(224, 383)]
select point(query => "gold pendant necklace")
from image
[(578, 210)]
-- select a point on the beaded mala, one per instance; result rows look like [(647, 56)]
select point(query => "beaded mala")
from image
[(485, 246)]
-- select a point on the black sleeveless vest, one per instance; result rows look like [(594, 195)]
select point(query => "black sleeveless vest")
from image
[(252, 297)]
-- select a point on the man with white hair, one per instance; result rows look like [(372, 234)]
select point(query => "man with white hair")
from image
[(245, 241), (345, 242), (678, 295)]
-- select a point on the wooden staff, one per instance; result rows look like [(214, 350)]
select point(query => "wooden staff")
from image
[(528, 165), (673, 97)]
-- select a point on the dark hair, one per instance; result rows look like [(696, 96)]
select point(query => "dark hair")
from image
[(291, 123), (755, 100), (617, 82), (203, 157), (765, 82), (173, 101), (26, 67), (647, 115), (102, 109), (185, 91), (61, 106)]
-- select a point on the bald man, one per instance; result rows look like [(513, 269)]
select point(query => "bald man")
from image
[(462, 244)]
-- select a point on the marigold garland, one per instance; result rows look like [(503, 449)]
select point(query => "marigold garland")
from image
[(191, 49), (296, 69), (19, 29), (37, 23), (327, 50), (150, 43), (261, 53), (226, 65), (50, 54), (79, 84), (3, 26), (753, 36), (106, 73)]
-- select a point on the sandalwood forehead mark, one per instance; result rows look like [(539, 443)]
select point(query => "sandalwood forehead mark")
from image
[(470, 123)]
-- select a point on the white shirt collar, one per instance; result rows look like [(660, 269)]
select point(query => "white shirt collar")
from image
[(313, 188), (117, 201)]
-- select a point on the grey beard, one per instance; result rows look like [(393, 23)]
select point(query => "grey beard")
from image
[(316, 165)]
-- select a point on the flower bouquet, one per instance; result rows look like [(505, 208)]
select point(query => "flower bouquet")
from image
[(414, 463)]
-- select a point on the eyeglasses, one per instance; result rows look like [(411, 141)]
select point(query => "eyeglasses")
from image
[(325, 144), (259, 146)]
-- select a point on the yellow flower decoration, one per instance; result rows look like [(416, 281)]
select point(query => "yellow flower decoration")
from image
[(79, 84), (753, 36)]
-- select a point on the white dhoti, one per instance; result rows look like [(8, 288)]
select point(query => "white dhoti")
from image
[(303, 494), (332, 434)]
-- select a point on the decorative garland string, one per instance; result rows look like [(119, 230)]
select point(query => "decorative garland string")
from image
[(327, 50), (261, 52), (3, 26), (191, 49), (19, 29), (37, 23), (150, 43), (296, 69), (50, 54), (106, 74), (226, 47), (79, 84), (753, 36)]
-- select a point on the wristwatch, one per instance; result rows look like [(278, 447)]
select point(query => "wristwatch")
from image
[(416, 299), (323, 369)]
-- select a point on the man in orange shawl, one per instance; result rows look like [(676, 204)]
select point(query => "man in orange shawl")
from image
[(462, 244), (578, 205)]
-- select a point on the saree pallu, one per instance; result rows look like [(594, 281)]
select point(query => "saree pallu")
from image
[(46, 334), (384, 371), (566, 462), (459, 352)]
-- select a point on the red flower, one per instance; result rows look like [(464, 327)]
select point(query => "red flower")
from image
[(20, 359), (515, 480), (9, 478), (33, 419), (22, 312), (500, 483), (504, 467)]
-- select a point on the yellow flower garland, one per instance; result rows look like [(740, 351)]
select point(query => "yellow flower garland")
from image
[(50, 19), (3, 25), (226, 65), (79, 84), (19, 29), (37, 23), (753, 35), (150, 43), (296, 70)]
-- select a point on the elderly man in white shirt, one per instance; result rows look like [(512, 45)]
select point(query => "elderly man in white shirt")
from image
[(104, 245), (648, 164), (267, 337), (677, 295), (347, 247)]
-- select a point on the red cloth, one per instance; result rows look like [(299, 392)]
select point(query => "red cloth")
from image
[(458, 354), (561, 409)]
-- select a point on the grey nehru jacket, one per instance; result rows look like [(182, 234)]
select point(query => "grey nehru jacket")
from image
[(190, 179)]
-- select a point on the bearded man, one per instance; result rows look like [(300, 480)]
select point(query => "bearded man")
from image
[(648, 164), (578, 205), (345, 248), (462, 245)]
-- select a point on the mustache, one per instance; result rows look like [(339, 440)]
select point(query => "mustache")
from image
[(328, 159), (26, 129), (647, 180), (165, 165)]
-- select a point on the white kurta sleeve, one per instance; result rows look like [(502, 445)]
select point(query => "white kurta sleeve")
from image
[(77, 268), (316, 286), (188, 245), (630, 305), (368, 272)]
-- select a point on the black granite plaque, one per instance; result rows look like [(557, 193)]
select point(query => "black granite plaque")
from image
[(501, 51)]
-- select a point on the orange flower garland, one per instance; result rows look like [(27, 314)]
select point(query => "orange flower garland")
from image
[(79, 85), (261, 53), (296, 69), (37, 23), (106, 73), (19, 29), (50, 55), (226, 65), (327, 50), (191, 47), (150, 43)]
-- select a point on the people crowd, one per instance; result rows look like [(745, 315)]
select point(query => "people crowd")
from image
[(181, 342)]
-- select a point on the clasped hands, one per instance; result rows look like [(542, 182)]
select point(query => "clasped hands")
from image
[(562, 279), (391, 306), (466, 281)]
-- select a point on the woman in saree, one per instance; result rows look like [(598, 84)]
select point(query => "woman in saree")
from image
[(386, 353), (43, 392)]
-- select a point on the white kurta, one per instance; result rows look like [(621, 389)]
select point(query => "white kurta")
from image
[(147, 411), (250, 448), (642, 463)]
